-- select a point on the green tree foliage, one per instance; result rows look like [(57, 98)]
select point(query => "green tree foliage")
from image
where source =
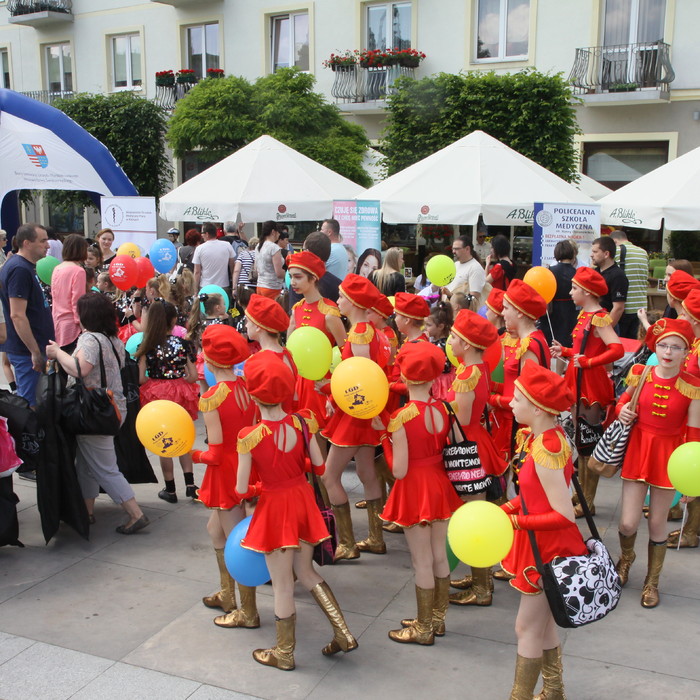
[(528, 111), (219, 116), (133, 129)]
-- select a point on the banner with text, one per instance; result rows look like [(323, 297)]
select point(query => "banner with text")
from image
[(133, 219), (558, 222), (360, 223)]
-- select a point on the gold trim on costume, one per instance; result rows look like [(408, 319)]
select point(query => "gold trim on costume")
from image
[(327, 309), (361, 338), (690, 391), (211, 403), (403, 416), (601, 321), (253, 438), (523, 347), (547, 459), (507, 340), (311, 423), (633, 377), (463, 385)]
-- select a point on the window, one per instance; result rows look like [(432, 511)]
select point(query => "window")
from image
[(202, 48), (4, 68), (290, 41), (503, 28), (633, 21), (389, 26), (617, 164), (59, 68), (126, 62)]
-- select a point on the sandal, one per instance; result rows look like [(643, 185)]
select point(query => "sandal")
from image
[(142, 522)]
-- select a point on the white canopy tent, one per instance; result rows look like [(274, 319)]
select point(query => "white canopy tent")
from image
[(476, 175), (670, 193), (263, 180), (592, 187)]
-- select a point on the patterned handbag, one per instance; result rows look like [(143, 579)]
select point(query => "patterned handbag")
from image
[(579, 589)]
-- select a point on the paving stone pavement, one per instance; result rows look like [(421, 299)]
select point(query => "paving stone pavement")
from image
[(121, 618)]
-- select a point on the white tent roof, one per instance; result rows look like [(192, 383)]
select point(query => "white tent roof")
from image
[(263, 180), (670, 192), (475, 175), (592, 187)]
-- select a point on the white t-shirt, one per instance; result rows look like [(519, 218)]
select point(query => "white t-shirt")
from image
[(267, 277), (470, 272), (213, 256)]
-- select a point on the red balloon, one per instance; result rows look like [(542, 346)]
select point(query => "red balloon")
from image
[(492, 355), (124, 272), (146, 271)]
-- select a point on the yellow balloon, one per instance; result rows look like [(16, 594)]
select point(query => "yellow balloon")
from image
[(450, 355), (480, 534), (165, 428), (130, 249), (360, 387), (392, 299)]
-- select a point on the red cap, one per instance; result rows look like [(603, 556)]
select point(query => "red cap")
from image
[(383, 306), (223, 346), (420, 362), (665, 327), (359, 291), (474, 329), (544, 388), (267, 314), (680, 283), (590, 281), (412, 306), (525, 299), (268, 378), (495, 301), (691, 305), (306, 260)]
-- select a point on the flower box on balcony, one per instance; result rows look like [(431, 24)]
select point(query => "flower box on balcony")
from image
[(186, 76), (165, 78)]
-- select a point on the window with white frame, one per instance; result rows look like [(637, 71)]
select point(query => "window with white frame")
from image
[(388, 26), (4, 68), (202, 46), (289, 39), (59, 68), (503, 29), (127, 72)]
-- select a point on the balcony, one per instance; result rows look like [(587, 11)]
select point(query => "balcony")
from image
[(623, 75), (361, 89), (168, 95), (49, 96), (39, 13)]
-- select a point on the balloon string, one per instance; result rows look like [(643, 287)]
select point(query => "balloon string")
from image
[(685, 517), (551, 330)]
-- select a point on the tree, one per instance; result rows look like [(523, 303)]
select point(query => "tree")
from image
[(528, 111), (219, 116), (133, 129)]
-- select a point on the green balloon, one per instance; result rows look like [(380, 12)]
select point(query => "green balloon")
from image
[(451, 557), (45, 267), (497, 374), (440, 270)]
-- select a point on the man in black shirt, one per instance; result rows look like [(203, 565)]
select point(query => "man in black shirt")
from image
[(603, 252)]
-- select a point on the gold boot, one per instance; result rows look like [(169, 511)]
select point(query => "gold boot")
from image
[(481, 591), (246, 616), (650, 592), (589, 486), (421, 632), (500, 574), (690, 531), (347, 548), (375, 540), (226, 597), (342, 639), (527, 671), (462, 583), (440, 602), (627, 556), (282, 655), (676, 513), (553, 683)]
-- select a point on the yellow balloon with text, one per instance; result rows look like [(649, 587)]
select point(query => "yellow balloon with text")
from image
[(165, 428), (130, 249), (360, 387)]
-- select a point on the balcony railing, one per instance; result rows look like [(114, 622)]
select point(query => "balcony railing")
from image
[(28, 7), (622, 68), (168, 95), (355, 83), (49, 96)]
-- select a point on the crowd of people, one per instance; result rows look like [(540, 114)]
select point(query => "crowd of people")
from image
[(485, 358)]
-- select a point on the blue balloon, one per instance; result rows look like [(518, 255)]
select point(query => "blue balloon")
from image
[(132, 344), (209, 377), (213, 289), (482, 311), (244, 565), (287, 280), (674, 503), (238, 369), (653, 360), (163, 255)]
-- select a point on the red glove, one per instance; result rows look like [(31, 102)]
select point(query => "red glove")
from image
[(692, 434), (497, 387), (614, 352), (253, 491), (211, 457), (512, 507), (388, 451), (399, 388), (319, 470), (500, 401), (553, 520), (567, 352)]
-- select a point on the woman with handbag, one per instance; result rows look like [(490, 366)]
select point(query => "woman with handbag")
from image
[(96, 459), (668, 413), (539, 397), (471, 335), (422, 499), (287, 523), (227, 409), (595, 345)]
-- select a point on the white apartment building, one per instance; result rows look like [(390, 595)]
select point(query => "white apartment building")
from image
[(634, 63)]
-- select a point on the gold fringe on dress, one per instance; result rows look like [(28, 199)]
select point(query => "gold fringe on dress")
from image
[(688, 390), (211, 403), (327, 309), (403, 416), (311, 423), (601, 321), (361, 338), (550, 460), (463, 385), (253, 438)]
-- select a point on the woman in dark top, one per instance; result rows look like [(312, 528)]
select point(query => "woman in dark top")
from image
[(389, 279), (500, 270), (562, 311)]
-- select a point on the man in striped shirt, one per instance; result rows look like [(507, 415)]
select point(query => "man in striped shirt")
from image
[(634, 262)]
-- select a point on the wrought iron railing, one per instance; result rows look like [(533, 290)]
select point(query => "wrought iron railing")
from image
[(355, 83), (26, 7), (622, 68), (168, 95), (49, 96)]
